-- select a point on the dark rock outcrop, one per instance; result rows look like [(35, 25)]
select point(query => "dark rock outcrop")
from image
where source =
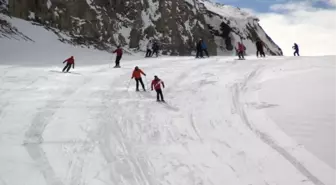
[(176, 24)]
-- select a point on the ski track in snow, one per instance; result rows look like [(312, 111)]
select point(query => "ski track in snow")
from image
[(121, 136), (238, 90), (139, 169), (33, 136)]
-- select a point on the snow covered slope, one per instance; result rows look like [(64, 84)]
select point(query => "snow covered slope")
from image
[(34, 45), (91, 127), (176, 24)]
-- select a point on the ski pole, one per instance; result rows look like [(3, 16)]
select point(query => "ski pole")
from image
[(129, 83), (146, 82)]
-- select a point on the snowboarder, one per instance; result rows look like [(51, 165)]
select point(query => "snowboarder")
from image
[(137, 75), (296, 50), (260, 48), (199, 52), (156, 84), (204, 48), (155, 48), (70, 62), (119, 52), (149, 49), (240, 50)]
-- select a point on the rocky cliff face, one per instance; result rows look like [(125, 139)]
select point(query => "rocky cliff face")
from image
[(6, 28), (176, 24)]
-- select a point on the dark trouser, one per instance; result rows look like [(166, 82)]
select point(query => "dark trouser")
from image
[(261, 52), (156, 52), (296, 53), (137, 80), (241, 54), (159, 94), (206, 52), (199, 53), (117, 61), (149, 53), (67, 67)]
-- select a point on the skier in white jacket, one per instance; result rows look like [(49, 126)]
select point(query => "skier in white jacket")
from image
[(149, 49)]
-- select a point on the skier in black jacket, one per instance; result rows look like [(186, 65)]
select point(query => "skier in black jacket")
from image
[(155, 48), (296, 50), (260, 48), (199, 51)]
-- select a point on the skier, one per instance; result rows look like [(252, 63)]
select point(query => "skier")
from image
[(119, 52), (204, 48), (199, 52), (156, 84), (137, 75), (296, 49), (241, 49), (155, 48), (70, 62), (149, 49), (260, 48)]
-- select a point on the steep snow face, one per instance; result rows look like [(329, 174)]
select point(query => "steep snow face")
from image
[(175, 24)]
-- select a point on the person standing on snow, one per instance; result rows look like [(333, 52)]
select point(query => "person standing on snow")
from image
[(137, 75), (119, 52), (241, 49), (296, 50), (70, 62), (199, 52), (204, 48), (260, 48), (156, 84), (155, 48), (149, 49)]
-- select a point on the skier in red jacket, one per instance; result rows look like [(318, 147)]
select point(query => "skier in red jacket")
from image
[(137, 75), (70, 62), (119, 52), (156, 84), (241, 50)]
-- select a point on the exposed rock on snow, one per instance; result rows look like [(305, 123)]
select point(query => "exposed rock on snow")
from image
[(4, 6), (177, 24)]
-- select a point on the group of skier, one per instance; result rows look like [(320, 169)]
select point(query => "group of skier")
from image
[(152, 48), (260, 49), (137, 75), (155, 85)]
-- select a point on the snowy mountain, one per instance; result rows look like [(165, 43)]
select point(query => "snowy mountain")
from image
[(176, 24), (262, 121)]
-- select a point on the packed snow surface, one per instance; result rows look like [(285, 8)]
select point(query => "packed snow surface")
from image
[(303, 95), (224, 121)]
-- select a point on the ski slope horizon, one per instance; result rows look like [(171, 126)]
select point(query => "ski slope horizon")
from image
[(225, 120)]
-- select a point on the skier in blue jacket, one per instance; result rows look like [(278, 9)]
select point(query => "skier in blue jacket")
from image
[(204, 48)]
